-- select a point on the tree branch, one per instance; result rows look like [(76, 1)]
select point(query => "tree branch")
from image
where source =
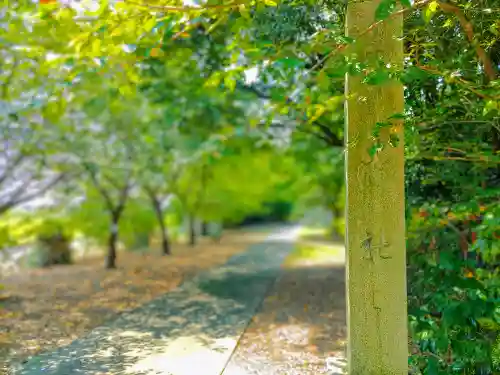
[(185, 9), (260, 94), (124, 195), (326, 133), (112, 182), (489, 67), (462, 81), (326, 136), (18, 197), (95, 181), (333, 140), (14, 163), (321, 136)]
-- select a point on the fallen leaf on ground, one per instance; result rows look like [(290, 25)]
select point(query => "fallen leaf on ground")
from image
[(58, 304)]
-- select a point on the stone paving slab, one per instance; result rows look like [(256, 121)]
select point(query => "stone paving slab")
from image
[(189, 331)]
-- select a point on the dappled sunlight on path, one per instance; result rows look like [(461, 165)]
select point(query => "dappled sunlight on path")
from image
[(301, 327), (197, 324)]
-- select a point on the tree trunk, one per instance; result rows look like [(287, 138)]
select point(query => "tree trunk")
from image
[(165, 244), (336, 229), (112, 244), (375, 225), (192, 231), (204, 228)]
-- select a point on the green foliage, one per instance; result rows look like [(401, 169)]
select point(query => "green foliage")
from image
[(452, 188), (384, 9), (50, 242), (453, 290), (51, 226), (87, 218), (137, 225), (322, 179), (6, 239)]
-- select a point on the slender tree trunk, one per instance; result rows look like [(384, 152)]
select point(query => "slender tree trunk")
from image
[(192, 231), (337, 215), (375, 230), (165, 243), (112, 243), (115, 211), (204, 228), (219, 231)]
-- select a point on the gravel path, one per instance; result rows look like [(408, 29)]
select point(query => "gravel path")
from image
[(191, 329)]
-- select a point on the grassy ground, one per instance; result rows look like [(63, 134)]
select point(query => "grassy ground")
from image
[(51, 307), (302, 323), (316, 247)]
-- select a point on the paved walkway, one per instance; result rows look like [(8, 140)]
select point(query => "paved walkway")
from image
[(189, 331)]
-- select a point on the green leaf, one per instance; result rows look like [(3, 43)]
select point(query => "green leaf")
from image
[(432, 366), (384, 9), (150, 24), (290, 62), (54, 110), (96, 46), (214, 80), (406, 3), (495, 29), (413, 73), (397, 116), (374, 149), (317, 111), (491, 105), (244, 12), (230, 82), (430, 10), (378, 127), (271, 3), (394, 140), (447, 261), (453, 315), (378, 77), (488, 324)]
